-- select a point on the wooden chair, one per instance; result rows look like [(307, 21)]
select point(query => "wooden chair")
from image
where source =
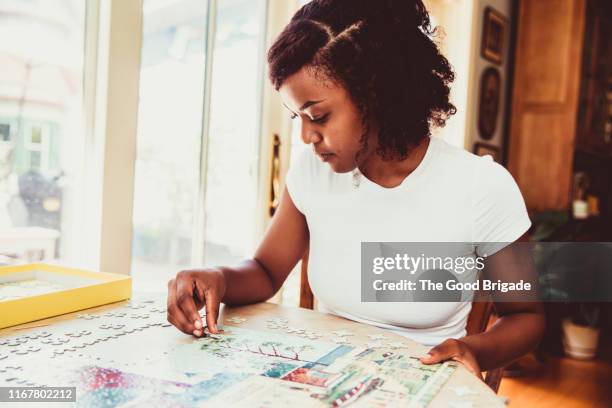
[(478, 321), (478, 318)]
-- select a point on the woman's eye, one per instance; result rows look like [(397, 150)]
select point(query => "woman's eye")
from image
[(322, 119)]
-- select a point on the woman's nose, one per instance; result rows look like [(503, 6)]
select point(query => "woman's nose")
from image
[(309, 136)]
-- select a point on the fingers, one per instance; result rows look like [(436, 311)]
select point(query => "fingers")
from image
[(189, 292), (212, 310), (441, 352), (453, 350), (186, 303), (175, 314), (198, 291)]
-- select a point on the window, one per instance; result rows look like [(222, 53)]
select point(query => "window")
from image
[(169, 133), (38, 148), (197, 154), (198, 135), (41, 55), (233, 136)]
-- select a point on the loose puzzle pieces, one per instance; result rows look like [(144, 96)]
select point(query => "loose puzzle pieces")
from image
[(343, 333)]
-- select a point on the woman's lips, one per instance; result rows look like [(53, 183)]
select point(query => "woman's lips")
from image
[(325, 156)]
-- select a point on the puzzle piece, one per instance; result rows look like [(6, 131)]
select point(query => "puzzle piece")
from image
[(139, 316), (397, 345), (26, 350), (278, 322), (343, 333), (87, 316), (311, 335), (376, 336), (291, 329), (374, 344), (55, 341)]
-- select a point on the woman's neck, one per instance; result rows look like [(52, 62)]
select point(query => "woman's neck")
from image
[(391, 173)]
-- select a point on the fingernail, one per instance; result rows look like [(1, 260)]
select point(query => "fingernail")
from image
[(197, 333), (198, 324)]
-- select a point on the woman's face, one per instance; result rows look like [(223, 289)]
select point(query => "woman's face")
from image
[(330, 121)]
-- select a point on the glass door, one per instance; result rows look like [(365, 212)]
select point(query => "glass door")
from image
[(231, 179), (198, 135)]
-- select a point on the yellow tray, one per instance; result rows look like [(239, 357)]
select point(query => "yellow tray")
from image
[(81, 289)]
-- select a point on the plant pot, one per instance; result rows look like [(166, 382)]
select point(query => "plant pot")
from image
[(579, 342)]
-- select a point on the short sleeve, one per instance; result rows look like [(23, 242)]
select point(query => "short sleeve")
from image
[(499, 213), (297, 179)]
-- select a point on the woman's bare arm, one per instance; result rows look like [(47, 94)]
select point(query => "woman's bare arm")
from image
[(521, 315), (517, 331), (283, 245), (254, 280)]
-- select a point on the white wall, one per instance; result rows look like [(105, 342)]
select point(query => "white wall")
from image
[(478, 67), (454, 21), (461, 23)]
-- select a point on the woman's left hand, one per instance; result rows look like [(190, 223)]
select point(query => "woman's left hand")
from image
[(453, 349)]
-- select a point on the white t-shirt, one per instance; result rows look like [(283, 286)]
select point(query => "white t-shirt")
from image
[(452, 196)]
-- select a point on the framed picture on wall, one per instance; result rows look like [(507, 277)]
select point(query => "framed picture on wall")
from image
[(488, 103), (483, 149), (494, 36)]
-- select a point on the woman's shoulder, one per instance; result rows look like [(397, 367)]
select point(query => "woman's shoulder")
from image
[(465, 163), (307, 176), (449, 153)]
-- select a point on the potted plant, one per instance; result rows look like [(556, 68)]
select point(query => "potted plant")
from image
[(573, 277), (581, 331)]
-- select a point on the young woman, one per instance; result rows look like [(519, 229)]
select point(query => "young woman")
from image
[(368, 85)]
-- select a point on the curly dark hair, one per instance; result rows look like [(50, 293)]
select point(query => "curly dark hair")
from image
[(383, 54)]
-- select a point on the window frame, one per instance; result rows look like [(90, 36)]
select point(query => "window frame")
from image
[(110, 104)]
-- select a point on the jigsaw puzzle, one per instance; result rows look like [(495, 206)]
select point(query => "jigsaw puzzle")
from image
[(124, 358)]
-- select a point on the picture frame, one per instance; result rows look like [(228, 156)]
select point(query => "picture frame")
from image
[(489, 102), (494, 32), (484, 149)]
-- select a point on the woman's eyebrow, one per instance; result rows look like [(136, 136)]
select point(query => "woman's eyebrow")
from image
[(308, 104)]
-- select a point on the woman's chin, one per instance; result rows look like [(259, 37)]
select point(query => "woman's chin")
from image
[(338, 167)]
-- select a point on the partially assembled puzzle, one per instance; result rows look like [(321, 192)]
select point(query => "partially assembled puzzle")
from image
[(126, 358), (27, 287)]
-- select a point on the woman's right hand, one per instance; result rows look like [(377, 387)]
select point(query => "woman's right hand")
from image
[(191, 290)]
